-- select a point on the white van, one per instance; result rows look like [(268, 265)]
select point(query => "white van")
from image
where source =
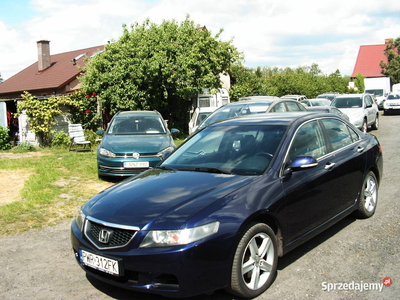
[(199, 114)]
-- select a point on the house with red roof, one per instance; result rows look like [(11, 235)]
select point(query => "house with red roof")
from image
[(51, 75), (368, 65), (368, 61)]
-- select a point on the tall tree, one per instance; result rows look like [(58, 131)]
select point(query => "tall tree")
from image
[(391, 68), (158, 67)]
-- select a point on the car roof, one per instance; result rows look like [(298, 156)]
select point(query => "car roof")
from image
[(138, 113), (257, 101), (284, 118), (349, 95), (316, 99), (258, 97), (321, 108)]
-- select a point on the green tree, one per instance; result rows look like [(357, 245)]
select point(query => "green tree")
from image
[(245, 81), (359, 82), (158, 67), (391, 68)]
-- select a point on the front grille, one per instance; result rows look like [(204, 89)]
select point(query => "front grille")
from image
[(129, 155), (106, 235), (128, 171)]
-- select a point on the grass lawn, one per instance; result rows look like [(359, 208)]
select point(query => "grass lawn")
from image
[(55, 184)]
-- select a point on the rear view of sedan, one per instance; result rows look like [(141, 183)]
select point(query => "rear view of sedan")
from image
[(223, 207)]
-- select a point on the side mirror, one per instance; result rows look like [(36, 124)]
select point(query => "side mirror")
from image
[(165, 155), (301, 163), (174, 131), (100, 132)]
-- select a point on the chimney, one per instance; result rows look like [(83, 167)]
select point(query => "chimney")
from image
[(43, 54)]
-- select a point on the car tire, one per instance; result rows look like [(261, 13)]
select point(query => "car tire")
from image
[(255, 261), (375, 126), (368, 198), (364, 127)]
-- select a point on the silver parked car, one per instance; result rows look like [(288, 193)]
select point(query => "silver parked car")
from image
[(252, 105), (316, 102), (361, 109), (329, 109)]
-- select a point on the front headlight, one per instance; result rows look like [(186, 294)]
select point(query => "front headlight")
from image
[(167, 238), (80, 220), (106, 153), (166, 150)]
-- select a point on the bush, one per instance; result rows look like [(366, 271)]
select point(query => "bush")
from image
[(91, 136), (4, 139), (24, 147), (60, 139)]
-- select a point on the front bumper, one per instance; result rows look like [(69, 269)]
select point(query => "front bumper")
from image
[(115, 166), (391, 107), (182, 271)]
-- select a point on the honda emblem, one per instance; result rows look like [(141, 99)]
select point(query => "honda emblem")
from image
[(104, 236)]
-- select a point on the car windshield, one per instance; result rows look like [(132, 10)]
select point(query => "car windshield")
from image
[(348, 102), (124, 125), (378, 92), (393, 96), (241, 150), (202, 117), (231, 111), (320, 102)]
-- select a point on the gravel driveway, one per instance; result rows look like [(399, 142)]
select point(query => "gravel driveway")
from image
[(351, 255)]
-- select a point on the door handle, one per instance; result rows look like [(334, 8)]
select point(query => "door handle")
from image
[(329, 166), (360, 149)]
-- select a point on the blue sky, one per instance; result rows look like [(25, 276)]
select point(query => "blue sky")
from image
[(270, 33)]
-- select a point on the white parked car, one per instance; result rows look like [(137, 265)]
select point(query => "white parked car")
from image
[(392, 104), (294, 97), (360, 108), (198, 116)]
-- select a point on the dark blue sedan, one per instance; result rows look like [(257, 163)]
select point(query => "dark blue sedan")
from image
[(220, 210)]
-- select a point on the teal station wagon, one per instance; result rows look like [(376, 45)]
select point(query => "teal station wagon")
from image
[(134, 141)]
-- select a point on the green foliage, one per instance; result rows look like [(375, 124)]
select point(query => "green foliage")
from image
[(4, 139), (158, 67), (24, 147), (41, 113), (359, 82), (392, 67), (306, 80), (60, 139), (85, 110), (91, 136)]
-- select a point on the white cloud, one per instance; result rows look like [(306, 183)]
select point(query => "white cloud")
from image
[(268, 32)]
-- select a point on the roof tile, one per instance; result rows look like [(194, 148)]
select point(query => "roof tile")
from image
[(61, 71)]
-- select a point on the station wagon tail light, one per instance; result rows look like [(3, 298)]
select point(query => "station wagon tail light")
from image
[(167, 238)]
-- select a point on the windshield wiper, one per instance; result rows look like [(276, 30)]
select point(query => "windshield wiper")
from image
[(166, 168), (205, 169)]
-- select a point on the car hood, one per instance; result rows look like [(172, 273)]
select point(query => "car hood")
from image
[(136, 143), (161, 199)]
